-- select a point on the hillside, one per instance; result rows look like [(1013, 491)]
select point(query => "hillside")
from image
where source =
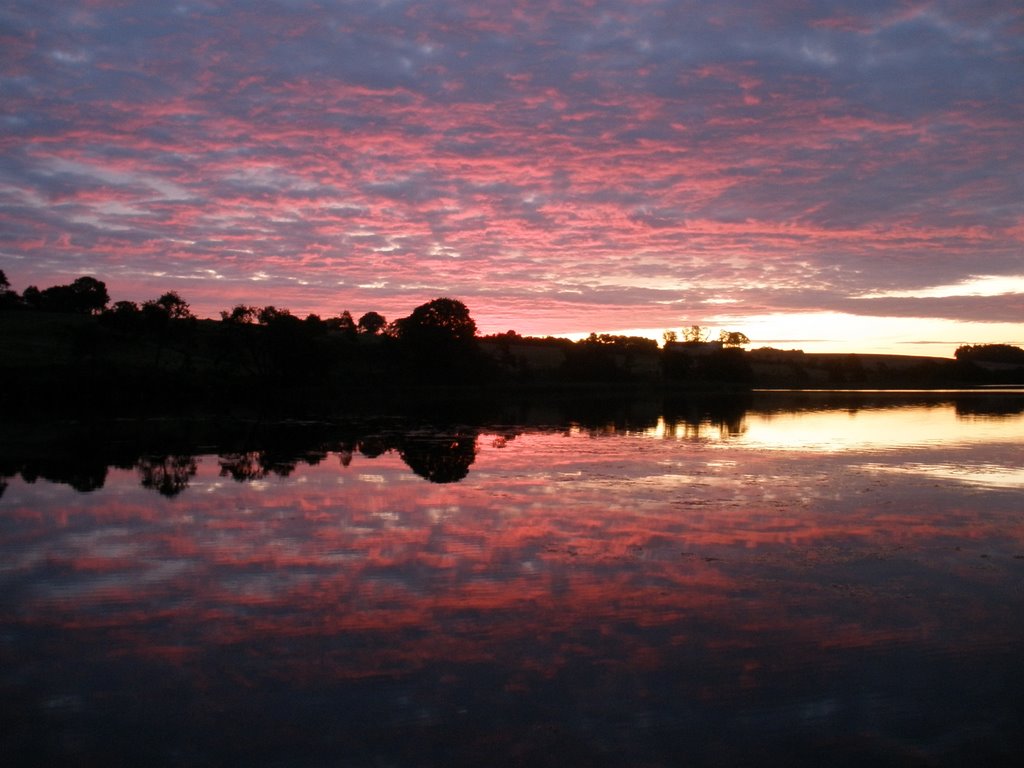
[(66, 362)]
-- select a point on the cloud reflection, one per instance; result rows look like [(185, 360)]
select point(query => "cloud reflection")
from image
[(630, 592)]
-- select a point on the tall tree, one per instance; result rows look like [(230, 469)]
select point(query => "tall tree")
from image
[(175, 306), (347, 325), (371, 323), (91, 295), (157, 317), (442, 319), (438, 342), (240, 314), (86, 295)]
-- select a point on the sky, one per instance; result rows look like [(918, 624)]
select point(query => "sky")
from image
[(819, 175)]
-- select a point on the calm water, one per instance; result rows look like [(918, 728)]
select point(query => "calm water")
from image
[(798, 582)]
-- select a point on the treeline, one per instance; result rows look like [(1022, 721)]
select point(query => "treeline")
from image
[(998, 354), (158, 353), (67, 347)]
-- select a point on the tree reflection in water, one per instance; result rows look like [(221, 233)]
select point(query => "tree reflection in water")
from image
[(345, 454), (599, 592), (84, 473), (81, 457), (373, 446), (167, 475), (437, 457), (442, 459), (242, 466), (256, 465)]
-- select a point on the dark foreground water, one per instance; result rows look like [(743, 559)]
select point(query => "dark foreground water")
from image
[(822, 584)]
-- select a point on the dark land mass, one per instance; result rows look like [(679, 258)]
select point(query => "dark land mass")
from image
[(71, 364)]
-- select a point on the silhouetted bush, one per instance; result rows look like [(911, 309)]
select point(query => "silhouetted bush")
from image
[(991, 353)]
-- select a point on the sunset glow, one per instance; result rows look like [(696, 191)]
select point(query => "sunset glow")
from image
[(818, 177)]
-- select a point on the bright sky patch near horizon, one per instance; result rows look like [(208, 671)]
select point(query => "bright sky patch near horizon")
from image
[(826, 176)]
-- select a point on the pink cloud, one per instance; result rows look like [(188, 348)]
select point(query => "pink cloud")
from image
[(365, 153)]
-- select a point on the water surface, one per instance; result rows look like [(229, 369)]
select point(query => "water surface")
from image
[(778, 584)]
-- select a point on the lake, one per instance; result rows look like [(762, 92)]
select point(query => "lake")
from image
[(797, 578)]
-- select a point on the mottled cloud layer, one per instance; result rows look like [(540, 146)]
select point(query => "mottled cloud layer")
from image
[(560, 166)]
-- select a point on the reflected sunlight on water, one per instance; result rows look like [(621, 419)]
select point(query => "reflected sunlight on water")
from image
[(845, 430), (771, 590), (982, 474)]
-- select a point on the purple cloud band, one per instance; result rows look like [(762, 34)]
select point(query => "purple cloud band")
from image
[(581, 162)]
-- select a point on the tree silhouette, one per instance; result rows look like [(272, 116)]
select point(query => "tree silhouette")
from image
[(437, 344), (371, 323), (991, 353), (240, 314), (90, 294), (123, 315), (32, 297), (347, 325), (694, 334), (733, 338), (8, 297), (442, 320), (175, 307), (86, 295), (288, 349), (124, 308), (165, 320)]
